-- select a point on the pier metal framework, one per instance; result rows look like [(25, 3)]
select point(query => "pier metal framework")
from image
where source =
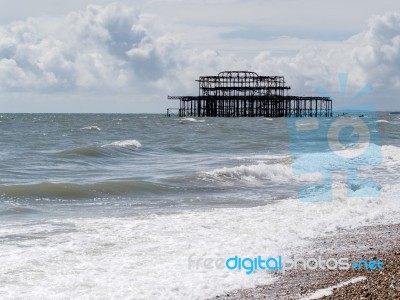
[(246, 94)]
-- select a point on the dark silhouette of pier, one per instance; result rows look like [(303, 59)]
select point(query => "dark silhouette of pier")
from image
[(246, 94)]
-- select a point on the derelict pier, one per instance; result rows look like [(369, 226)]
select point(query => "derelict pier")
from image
[(246, 94)]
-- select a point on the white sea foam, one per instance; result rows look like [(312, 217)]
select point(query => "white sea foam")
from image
[(382, 121), (187, 120), (129, 144), (91, 127), (391, 156), (147, 257)]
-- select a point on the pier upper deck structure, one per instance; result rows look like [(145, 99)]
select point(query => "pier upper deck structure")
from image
[(246, 94)]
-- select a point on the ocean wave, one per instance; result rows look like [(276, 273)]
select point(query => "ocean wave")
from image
[(263, 157), (188, 120), (279, 168), (259, 172), (351, 149), (101, 151), (128, 144), (91, 151), (382, 121), (48, 190), (91, 127), (348, 157)]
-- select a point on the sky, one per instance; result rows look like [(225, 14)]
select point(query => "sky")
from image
[(97, 56)]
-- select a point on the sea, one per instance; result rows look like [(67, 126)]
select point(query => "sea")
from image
[(130, 206)]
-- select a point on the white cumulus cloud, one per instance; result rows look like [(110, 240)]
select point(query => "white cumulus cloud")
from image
[(117, 48), (93, 48)]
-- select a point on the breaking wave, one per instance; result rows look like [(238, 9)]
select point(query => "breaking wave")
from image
[(128, 144), (260, 172), (278, 168)]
